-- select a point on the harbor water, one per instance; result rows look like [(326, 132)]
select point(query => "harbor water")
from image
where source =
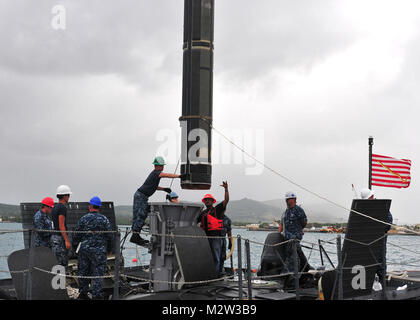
[(402, 250)]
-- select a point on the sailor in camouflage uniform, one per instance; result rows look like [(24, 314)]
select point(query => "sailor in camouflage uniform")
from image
[(226, 231), (60, 243), (42, 221), (142, 195), (92, 254), (368, 194), (292, 224)]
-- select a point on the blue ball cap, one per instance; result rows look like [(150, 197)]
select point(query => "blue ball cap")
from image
[(173, 195), (95, 201)]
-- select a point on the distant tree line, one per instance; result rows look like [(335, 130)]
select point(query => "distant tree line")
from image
[(10, 218)]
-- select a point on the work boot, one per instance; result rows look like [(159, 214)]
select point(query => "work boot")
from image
[(135, 238)]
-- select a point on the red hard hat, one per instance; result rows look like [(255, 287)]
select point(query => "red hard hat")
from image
[(208, 196), (48, 202)]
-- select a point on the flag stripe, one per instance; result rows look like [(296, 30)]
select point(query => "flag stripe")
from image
[(390, 172), (401, 172), (385, 157), (388, 185), (389, 177), (391, 161), (390, 181), (399, 167)]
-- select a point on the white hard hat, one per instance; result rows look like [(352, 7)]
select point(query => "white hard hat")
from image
[(290, 195), (63, 190), (366, 193)]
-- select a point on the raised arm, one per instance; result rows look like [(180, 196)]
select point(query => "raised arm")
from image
[(225, 185)]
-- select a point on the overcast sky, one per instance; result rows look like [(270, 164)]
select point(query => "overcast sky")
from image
[(87, 106)]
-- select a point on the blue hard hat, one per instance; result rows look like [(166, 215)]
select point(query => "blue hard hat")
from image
[(95, 201), (173, 195)]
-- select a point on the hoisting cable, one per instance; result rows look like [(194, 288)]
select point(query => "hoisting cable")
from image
[(303, 187)]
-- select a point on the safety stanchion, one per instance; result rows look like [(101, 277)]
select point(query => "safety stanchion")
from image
[(240, 267), (383, 266), (340, 268), (248, 268), (30, 267), (296, 269), (320, 252), (117, 266)]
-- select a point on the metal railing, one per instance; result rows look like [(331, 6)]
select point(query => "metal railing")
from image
[(296, 273)]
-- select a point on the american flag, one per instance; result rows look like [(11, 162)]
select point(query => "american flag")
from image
[(390, 172)]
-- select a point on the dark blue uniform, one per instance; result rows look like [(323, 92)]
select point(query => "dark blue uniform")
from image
[(141, 196), (92, 252), (42, 222), (381, 272), (293, 221), (227, 227), (58, 244)]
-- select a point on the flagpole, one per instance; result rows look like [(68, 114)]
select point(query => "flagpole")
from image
[(370, 161)]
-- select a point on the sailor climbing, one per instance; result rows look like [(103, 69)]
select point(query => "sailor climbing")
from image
[(60, 240), (211, 220), (370, 195), (42, 221), (92, 254), (291, 225), (141, 196)]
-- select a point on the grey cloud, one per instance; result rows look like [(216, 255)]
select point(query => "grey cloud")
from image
[(255, 38), (83, 106)]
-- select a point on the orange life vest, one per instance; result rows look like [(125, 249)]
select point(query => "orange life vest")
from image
[(213, 224)]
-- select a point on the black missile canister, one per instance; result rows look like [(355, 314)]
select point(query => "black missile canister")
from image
[(197, 94)]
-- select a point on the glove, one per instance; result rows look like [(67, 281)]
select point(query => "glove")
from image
[(183, 176), (167, 190), (168, 197)]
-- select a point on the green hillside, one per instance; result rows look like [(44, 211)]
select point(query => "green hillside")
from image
[(9, 212), (244, 210)]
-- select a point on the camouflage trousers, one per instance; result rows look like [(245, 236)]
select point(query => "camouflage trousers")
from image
[(222, 256), (381, 271), (58, 247), (91, 262), (42, 242), (139, 211), (289, 264)]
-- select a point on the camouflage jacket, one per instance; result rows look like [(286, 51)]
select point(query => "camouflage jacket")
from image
[(93, 221), (42, 222), (293, 221)]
